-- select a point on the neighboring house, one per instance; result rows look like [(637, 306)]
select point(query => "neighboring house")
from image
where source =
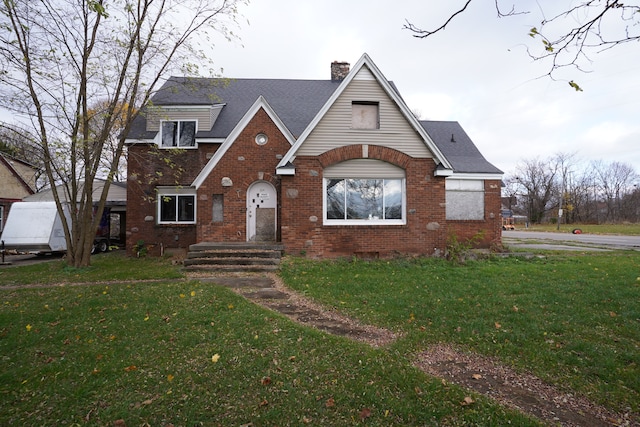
[(17, 180), (329, 168), (115, 205)]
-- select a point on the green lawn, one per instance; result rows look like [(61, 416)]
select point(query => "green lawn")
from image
[(179, 352)]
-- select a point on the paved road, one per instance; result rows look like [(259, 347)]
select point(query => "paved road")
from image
[(520, 238)]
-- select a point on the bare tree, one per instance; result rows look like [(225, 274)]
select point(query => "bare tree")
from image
[(61, 57), (615, 182), (538, 186), (570, 35)]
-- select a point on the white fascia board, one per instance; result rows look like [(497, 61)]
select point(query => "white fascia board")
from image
[(476, 176), (130, 141), (366, 60), (230, 139), (443, 172), (188, 107)]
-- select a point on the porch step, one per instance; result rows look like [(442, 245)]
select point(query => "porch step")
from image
[(214, 257)]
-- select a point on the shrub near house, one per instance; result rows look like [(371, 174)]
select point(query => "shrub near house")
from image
[(330, 168)]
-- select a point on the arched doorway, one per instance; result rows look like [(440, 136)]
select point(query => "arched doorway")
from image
[(262, 202)]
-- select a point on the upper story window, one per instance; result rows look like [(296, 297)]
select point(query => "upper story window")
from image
[(365, 115), (178, 134)]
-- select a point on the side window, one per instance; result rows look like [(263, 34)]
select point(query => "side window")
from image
[(176, 208), (178, 134), (365, 115), (465, 199)]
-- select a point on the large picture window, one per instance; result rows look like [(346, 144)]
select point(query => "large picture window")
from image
[(176, 208), (178, 134), (364, 200)]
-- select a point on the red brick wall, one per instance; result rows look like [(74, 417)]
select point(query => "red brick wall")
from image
[(300, 215), (303, 230), (148, 167), (244, 163)]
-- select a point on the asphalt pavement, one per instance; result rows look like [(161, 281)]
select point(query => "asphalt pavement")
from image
[(569, 241)]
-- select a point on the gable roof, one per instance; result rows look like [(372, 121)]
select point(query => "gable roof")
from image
[(390, 90), (456, 145), (296, 102), (298, 106), (10, 163), (260, 103)]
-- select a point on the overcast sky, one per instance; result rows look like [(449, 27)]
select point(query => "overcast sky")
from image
[(477, 72)]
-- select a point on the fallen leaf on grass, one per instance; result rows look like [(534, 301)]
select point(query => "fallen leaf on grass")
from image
[(265, 402), (498, 325), (215, 358), (330, 403), (612, 314), (467, 401), (28, 327), (131, 368), (265, 380), (365, 413), (476, 376)]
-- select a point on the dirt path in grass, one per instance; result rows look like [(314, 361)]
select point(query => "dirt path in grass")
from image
[(483, 375)]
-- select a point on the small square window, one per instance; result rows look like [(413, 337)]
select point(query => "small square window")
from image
[(365, 115)]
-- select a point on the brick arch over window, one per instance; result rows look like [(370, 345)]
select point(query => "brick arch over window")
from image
[(374, 152)]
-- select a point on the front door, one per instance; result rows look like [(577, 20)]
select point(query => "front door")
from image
[(262, 203)]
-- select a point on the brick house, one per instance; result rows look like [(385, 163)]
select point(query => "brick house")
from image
[(17, 180), (329, 168)]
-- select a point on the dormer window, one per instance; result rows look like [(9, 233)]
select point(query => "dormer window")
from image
[(178, 134), (365, 115)]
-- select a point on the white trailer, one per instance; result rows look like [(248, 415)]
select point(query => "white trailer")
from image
[(35, 227)]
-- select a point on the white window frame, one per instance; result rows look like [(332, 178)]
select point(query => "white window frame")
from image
[(373, 220), (1, 218), (178, 193), (179, 122)]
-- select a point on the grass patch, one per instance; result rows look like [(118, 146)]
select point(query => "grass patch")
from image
[(111, 266), (571, 320), (142, 351), (184, 353)]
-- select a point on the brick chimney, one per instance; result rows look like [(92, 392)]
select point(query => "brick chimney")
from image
[(339, 70)]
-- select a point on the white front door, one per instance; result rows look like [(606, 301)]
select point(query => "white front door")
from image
[(262, 202)]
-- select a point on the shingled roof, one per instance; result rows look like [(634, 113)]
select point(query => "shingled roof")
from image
[(296, 103), (458, 148)]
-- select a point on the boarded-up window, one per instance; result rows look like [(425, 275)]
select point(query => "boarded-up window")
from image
[(364, 115), (218, 208), (465, 199)]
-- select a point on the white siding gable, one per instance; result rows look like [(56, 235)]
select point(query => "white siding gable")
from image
[(335, 128)]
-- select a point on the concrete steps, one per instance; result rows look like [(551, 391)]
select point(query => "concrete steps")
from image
[(233, 257)]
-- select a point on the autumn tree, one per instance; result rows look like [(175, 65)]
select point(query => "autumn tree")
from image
[(61, 58), (567, 34)]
